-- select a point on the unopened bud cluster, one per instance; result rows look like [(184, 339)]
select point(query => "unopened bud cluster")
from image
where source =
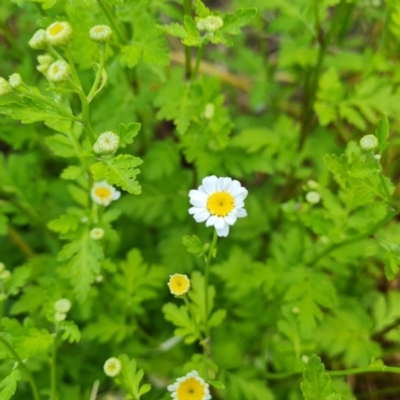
[(210, 24), (61, 308), (369, 142), (107, 143), (45, 60), (100, 33)]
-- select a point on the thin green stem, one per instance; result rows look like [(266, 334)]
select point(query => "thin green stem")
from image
[(53, 371), (20, 242), (198, 61), (99, 73), (189, 307), (356, 238), (23, 366), (187, 8), (211, 253), (82, 96), (384, 185), (107, 12)]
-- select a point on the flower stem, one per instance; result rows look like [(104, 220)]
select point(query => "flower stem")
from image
[(20, 242), (28, 373), (93, 90), (187, 7), (107, 12), (53, 374), (198, 60)]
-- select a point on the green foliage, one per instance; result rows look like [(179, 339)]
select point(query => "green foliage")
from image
[(8, 385)]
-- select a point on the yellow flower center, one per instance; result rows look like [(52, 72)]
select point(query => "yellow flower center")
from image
[(179, 284), (102, 192), (112, 367), (55, 69), (191, 389), (56, 29), (99, 29), (220, 204)]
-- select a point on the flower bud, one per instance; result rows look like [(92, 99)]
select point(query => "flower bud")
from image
[(369, 142), (100, 33), (15, 80), (97, 233), (4, 87), (313, 197), (112, 367), (210, 24), (58, 71), (60, 316), (62, 305), (107, 143), (59, 33), (44, 59), (39, 40), (209, 111)]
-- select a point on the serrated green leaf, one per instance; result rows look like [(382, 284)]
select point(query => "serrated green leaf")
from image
[(382, 133), (217, 384), (216, 318), (65, 223), (126, 133), (119, 171), (193, 245), (8, 385), (72, 172), (70, 331), (316, 383), (60, 145)]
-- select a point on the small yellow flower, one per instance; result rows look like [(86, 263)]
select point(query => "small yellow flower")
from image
[(190, 387), (179, 284), (97, 233), (112, 367), (59, 33), (100, 33), (58, 71), (102, 193)]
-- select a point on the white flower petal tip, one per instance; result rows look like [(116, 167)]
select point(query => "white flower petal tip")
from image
[(179, 284), (218, 202), (112, 367), (191, 386), (59, 33), (102, 193)]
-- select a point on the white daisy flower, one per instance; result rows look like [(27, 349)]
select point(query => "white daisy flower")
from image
[(62, 305), (369, 142), (38, 40), (313, 197), (59, 33), (190, 387), (210, 24), (106, 143), (100, 33), (4, 87), (15, 80), (219, 201), (112, 367), (97, 233), (102, 193), (58, 71), (179, 284), (59, 316)]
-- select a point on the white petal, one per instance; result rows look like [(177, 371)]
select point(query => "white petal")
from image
[(197, 195), (224, 232), (198, 203), (201, 216), (239, 204), (219, 223), (194, 210), (201, 189), (116, 195), (211, 220), (242, 194), (241, 213), (227, 184), (210, 184), (235, 188), (220, 185), (230, 219)]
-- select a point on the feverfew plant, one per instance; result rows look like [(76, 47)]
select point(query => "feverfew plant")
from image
[(199, 200)]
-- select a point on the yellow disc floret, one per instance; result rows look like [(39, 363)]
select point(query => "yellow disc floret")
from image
[(220, 204), (191, 389), (179, 284), (103, 192)]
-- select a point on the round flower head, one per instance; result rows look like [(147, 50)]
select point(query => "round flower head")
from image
[(39, 40), (15, 80), (210, 24), (5, 275), (58, 71), (103, 193), (59, 316), (179, 284), (209, 110), (62, 305), (97, 233), (4, 87), (59, 33), (369, 142), (219, 201), (106, 143), (190, 387), (100, 33), (313, 197), (112, 367)]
